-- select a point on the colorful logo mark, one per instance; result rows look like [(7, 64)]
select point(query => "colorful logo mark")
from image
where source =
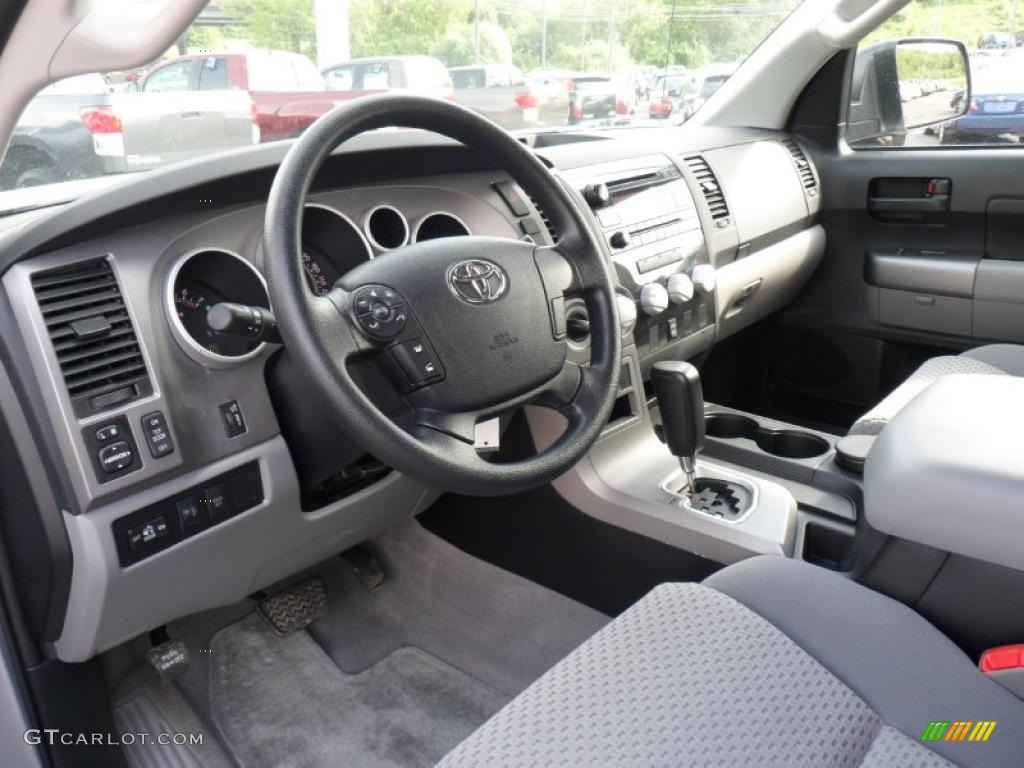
[(958, 730)]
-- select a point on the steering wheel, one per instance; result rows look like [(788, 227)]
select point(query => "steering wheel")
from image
[(468, 327)]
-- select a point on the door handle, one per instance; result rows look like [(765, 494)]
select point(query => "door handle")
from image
[(191, 115), (930, 204)]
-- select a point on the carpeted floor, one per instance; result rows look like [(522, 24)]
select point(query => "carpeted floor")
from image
[(392, 676), (281, 701)]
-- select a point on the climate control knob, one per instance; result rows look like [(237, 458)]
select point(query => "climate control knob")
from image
[(703, 277), (627, 313), (653, 298), (680, 289)]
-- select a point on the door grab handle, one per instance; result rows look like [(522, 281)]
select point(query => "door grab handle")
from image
[(931, 204)]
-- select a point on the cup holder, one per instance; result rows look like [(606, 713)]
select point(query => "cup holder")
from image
[(787, 443)]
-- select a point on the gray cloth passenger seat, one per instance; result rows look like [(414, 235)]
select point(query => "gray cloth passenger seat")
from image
[(770, 662), (994, 359)]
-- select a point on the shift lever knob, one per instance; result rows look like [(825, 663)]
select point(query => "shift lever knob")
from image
[(681, 403)]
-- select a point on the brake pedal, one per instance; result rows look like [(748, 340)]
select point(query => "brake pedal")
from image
[(295, 608)]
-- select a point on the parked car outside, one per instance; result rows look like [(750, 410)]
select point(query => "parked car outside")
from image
[(502, 93), (76, 128), (665, 95), (701, 86), (287, 90), (423, 75), (995, 112), (593, 98)]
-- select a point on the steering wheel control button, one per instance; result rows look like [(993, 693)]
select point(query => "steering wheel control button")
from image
[(380, 311), (116, 457), (231, 416), (107, 433), (418, 362), (159, 438)]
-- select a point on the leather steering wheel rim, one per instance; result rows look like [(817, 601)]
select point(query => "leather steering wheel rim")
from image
[(325, 332)]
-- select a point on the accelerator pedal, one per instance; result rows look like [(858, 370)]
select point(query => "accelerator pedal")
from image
[(295, 608)]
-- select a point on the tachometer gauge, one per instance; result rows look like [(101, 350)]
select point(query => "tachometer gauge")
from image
[(192, 302), (199, 281)]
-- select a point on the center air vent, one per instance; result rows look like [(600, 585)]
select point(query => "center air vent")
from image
[(545, 221), (92, 336), (709, 188), (803, 167)]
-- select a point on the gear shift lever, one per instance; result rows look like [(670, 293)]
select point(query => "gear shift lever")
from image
[(681, 403)]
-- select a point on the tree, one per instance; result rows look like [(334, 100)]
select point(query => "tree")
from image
[(287, 25), (458, 46)]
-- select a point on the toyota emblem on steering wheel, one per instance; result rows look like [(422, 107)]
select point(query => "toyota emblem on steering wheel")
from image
[(477, 281)]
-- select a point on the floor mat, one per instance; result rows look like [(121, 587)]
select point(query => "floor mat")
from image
[(281, 701), (497, 627)]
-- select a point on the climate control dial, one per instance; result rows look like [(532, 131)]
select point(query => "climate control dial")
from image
[(703, 277), (680, 288), (653, 298)]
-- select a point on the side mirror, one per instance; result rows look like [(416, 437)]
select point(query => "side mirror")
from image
[(899, 85)]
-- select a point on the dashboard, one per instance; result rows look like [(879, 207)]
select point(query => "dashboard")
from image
[(174, 467)]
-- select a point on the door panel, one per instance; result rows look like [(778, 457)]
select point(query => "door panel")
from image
[(907, 273)]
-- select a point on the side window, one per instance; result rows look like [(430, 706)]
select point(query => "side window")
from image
[(376, 76), (928, 98), (173, 77), (341, 78), (213, 75)]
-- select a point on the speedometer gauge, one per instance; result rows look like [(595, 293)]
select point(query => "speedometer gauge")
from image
[(320, 274), (331, 246)]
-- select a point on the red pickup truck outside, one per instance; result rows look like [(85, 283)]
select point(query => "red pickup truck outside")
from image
[(287, 91)]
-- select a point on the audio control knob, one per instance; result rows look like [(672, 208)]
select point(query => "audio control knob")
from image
[(597, 195), (680, 288), (619, 239), (653, 298), (703, 277)]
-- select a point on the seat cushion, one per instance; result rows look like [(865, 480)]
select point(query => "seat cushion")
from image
[(980, 360), (699, 675)]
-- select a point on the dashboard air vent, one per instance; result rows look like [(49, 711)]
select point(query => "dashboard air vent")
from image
[(709, 188), (92, 335), (545, 221), (803, 166)]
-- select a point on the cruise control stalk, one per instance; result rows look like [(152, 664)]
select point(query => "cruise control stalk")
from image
[(244, 322)]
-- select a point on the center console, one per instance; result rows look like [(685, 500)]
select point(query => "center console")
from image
[(649, 218)]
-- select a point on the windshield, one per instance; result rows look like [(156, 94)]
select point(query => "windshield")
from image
[(256, 71)]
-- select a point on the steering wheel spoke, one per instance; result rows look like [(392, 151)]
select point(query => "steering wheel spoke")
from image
[(335, 325)]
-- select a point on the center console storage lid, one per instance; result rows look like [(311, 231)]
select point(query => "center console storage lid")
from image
[(948, 470)]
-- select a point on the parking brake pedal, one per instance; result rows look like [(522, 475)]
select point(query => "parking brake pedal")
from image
[(365, 565), (295, 608), (169, 658)]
